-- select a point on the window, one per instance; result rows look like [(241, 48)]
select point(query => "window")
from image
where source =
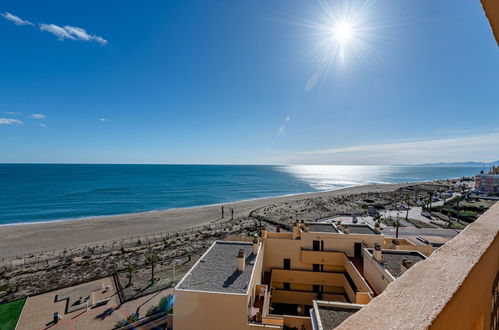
[(316, 268), (318, 245), (316, 288), (287, 264), (286, 286)]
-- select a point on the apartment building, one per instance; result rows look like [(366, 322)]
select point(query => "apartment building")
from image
[(282, 279)]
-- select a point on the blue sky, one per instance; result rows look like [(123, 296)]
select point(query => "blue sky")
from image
[(246, 82)]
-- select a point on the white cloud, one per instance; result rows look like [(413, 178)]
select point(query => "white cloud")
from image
[(465, 148), (12, 113), (42, 125), (103, 119), (72, 32), (62, 33), (10, 121), (15, 19), (281, 129), (38, 116), (56, 30)]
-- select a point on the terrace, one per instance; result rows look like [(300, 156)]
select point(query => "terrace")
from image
[(329, 315)]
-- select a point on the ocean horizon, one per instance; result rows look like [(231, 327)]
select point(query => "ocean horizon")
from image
[(31, 193)]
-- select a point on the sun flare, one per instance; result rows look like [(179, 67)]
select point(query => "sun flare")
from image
[(343, 32)]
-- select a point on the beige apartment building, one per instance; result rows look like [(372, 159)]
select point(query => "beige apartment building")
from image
[(316, 276)]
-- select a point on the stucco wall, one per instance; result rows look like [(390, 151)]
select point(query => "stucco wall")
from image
[(339, 242), (377, 277), (199, 310), (452, 289)]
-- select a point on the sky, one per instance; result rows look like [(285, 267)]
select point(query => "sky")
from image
[(248, 82)]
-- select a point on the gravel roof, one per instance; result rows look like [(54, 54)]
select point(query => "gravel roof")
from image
[(322, 227), (362, 229), (217, 270), (331, 317), (393, 260)]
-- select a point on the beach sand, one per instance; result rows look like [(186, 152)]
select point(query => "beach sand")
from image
[(18, 240)]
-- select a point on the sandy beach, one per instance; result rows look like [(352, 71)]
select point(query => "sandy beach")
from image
[(24, 239)]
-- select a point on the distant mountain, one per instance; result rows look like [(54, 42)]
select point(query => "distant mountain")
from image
[(477, 164)]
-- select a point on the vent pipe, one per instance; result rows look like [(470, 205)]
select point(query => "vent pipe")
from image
[(377, 252), (241, 256), (255, 245)]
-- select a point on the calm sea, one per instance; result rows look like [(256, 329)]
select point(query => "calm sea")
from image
[(39, 192)]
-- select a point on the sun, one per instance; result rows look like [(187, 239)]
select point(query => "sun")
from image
[(343, 32)]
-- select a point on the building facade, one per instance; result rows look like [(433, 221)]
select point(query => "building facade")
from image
[(282, 279)]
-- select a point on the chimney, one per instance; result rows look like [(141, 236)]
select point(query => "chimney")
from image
[(277, 229), (395, 244), (296, 230), (377, 252), (241, 256), (405, 265), (377, 226), (346, 230), (255, 245)]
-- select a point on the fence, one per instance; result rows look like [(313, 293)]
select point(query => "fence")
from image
[(45, 257)]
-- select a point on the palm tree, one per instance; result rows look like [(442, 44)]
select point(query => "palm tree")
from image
[(430, 194), (407, 201), (416, 197), (130, 269), (151, 259)]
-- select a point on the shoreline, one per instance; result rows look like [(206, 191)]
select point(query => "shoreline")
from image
[(22, 239), (92, 217)]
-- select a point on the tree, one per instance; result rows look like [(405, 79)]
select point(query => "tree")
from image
[(151, 259), (416, 196), (130, 269), (430, 195), (407, 201)]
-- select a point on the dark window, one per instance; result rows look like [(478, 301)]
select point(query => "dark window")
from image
[(357, 250), (287, 263), (316, 267), (286, 286), (316, 288), (322, 245), (322, 268), (316, 245)]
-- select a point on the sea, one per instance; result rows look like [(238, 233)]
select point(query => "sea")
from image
[(47, 192)]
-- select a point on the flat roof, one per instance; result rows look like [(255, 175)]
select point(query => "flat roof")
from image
[(217, 271), (332, 315), (392, 259), (362, 229), (322, 227)]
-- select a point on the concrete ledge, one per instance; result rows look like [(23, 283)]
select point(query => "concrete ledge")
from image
[(452, 289)]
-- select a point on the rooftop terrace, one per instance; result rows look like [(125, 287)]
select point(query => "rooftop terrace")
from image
[(322, 228), (362, 229), (331, 315), (217, 271), (392, 259)]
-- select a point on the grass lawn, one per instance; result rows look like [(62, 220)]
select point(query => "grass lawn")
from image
[(9, 313)]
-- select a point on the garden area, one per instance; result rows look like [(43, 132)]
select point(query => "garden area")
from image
[(156, 276), (460, 211), (163, 308), (9, 313)]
